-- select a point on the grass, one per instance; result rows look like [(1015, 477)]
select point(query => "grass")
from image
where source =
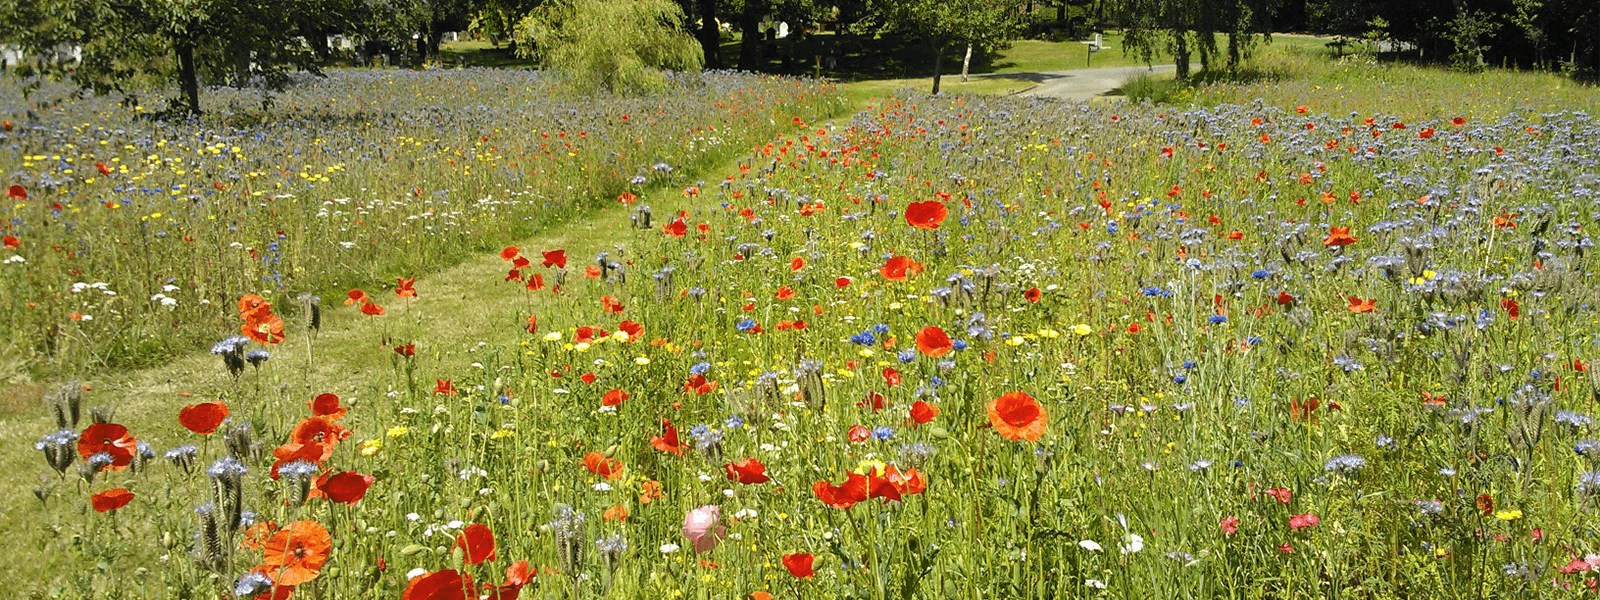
[(480, 53), (1184, 292)]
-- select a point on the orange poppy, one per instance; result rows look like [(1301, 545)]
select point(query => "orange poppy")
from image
[(408, 350), (372, 309), (1338, 236), (347, 487), (263, 327), (900, 268), (555, 258), (203, 418), (405, 290), (748, 471), (926, 215), (288, 453), (318, 430), (698, 385), (295, 554), (1303, 411), (617, 512), (250, 303), (327, 405), (110, 500), (668, 441), (649, 491), (443, 386), (933, 341), (677, 228), (922, 412), (598, 464), (1017, 416), (784, 293), (110, 438), (794, 265), (476, 543), (532, 324), (800, 565), (448, 584), (615, 397), (844, 495), (1358, 305), (1033, 295), (1513, 310), (510, 252)]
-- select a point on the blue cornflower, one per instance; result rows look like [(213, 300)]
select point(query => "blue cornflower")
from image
[(864, 338), (1345, 463), (959, 344), (1188, 364), (700, 368), (908, 355), (883, 433), (1217, 319), (744, 324), (733, 422), (1260, 274), (1180, 380), (880, 328)]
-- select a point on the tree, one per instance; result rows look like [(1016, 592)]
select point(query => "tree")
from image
[(944, 24), (620, 45), (206, 41)]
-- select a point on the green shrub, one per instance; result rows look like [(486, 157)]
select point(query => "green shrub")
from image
[(621, 46)]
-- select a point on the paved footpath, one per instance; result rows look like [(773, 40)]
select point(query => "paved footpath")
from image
[(1078, 84)]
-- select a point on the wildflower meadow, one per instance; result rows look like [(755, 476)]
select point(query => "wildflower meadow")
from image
[(433, 335)]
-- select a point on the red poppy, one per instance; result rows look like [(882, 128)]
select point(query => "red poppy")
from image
[(926, 215), (408, 350), (288, 453), (351, 297), (615, 397), (104, 170), (844, 495), (1033, 294), (1298, 522), (597, 463), (698, 385), (800, 565), (532, 324), (555, 258), (1338, 236), (448, 584), (1017, 416), (346, 487), (520, 263), (327, 405), (510, 252), (933, 341), (891, 376), (535, 283), (841, 282), (677, 228), (1303, 411), (900, 268), (797, 264), (922, 412), (443, 386), (10, 242), (110, 438), (295, 554), (784, 293), (1513, 310), (874, 401), (318, 430), (17, 192), (617, 512), (203, 418), (634, 330), (859, 433), (1486, 504), (372, 309), (110, 500), (263, 326), (911, 481), (405, 290), (879, 486), (747, 471), (1358, 305), (1285, 298), (476, 543)]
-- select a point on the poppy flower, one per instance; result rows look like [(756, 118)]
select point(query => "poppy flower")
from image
[(677, 228), (1358, 306), (110, 500), (701, 526), (345, 487), (443, 386), (748, 471), (1230, 525), (1513, 310), (110, 438), (1298, 522), (351, 297), (103, 168), (17, 192), (1033, 294), (615, 397), (617, 512), (532, 324), (926, 215), (295, 554), (859, 433), (698, 385), (1283, 494), (448, 584), (911, 481), (1017, 416), (203, 418), (408, 350), (900, 268), (476, 543), (797, 264), (372, 309), (288, 453), (1338, 236), (841, 282), (800, 565), (634, 330), (922, 412), (265, 329), (555, 258), (327, 405), (844, 495), (879, 486), (510, 252), (317, 430), (784, 293), (1485, 504), (598, 464), (10, 242), (519, 263), (874, 401), (405, 290), (1303, 411), (933, 342)]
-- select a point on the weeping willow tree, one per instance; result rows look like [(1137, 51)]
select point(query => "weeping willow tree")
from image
[(619, 45)]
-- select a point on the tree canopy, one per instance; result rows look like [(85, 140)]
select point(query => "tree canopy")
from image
[(619, 45)]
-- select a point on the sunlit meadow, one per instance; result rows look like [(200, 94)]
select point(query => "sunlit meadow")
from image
[(944, 348)]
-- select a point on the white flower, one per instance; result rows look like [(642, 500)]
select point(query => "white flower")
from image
[(602, 487), (745, 513), (1095, 583), (16, 258), (669, 548), (1089, 545), (1132, 544), (415, 573)]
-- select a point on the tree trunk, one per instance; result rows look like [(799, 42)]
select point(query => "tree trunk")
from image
[(966, 61), (1180, 54), (188, 80), (938, 63), (1061, 12), (750, 38), (710, 34), (1233, 51)]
